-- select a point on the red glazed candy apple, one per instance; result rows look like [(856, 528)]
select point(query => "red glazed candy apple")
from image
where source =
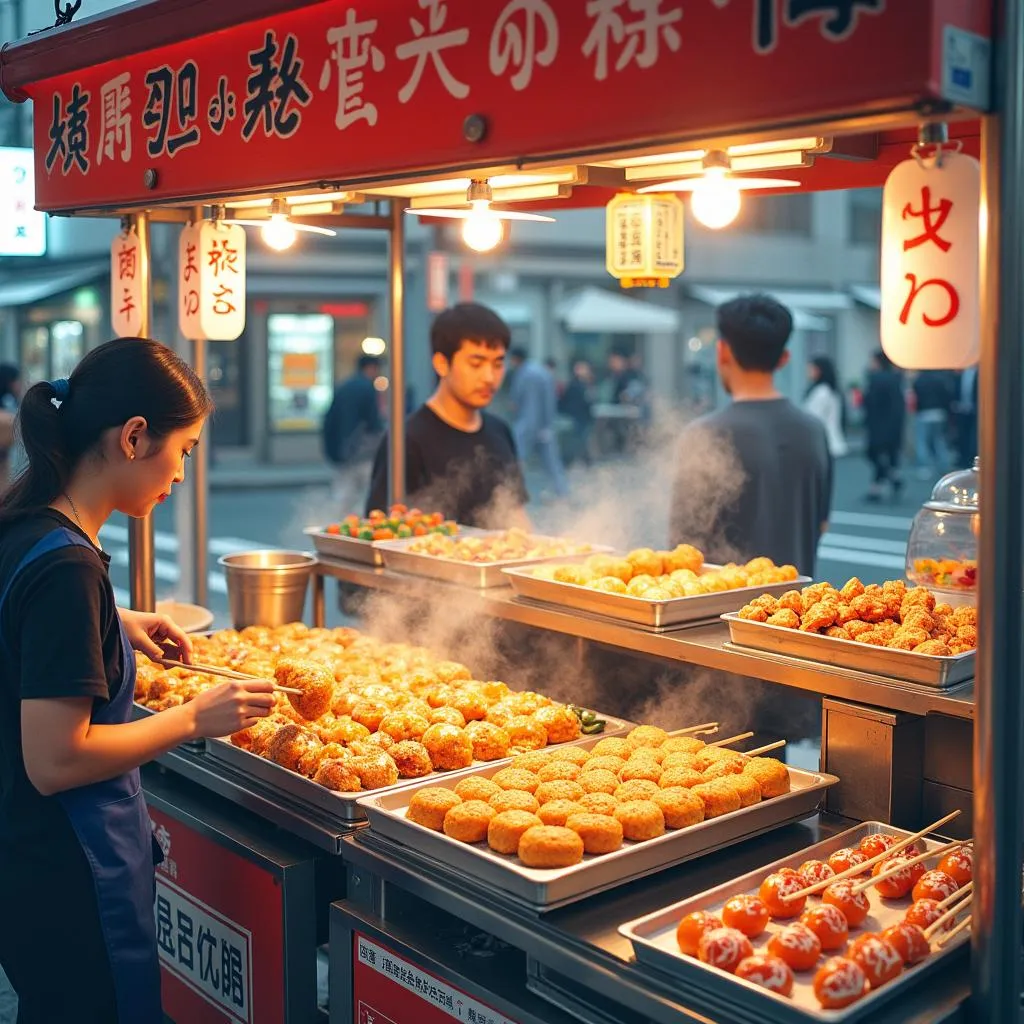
[(724, 948), (767, 971)]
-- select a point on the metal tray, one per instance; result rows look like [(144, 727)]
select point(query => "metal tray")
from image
[(654, 944), (351, 549), (397, 556), (926, 669), (545, 888), (676, 611), (346, 805)]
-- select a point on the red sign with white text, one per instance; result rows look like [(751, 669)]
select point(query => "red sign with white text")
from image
[(346, 91), (220, 932)]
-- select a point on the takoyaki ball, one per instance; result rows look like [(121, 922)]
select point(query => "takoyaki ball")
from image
[(256, 737), (606, 763), (846, 858), (381, 740), (574, 755), (411, 758), (343, 701), (680, 807), (337, 774), (449, 747), (381, 693), (855, 906), (721, 769), (958, 864), (777, 894), (772, 775), (747, 914), (683, 745), (692, 928), (769, 972), (550, 846), (641, 768), (471, 704), (685, 777), (414, 706), (429, 806), (829, 924), (556, 812), (490, 742), (639, 585), (555, 771), (526, 702), (897, 885), (514, 800), (598, 782), (446, 716), (401, 725), (719, 798), (908, 940), (370, 713), (600, 832), (532, 760), (315, 681), (924, 913), (375, 770), (468, 821), (451, 671), (679, 760), (612, 746), (640, 820), (494, 690), (646, 562), (440, 696), (934, 885), (797, 944), (635, 789), (477, 788), (746, 788), (310, 761), (288, 745), (526, 733), (516, 778), (599, 803), (878, 958), (724, 948), (839, 982), (562, 789), (813, 871), (708, 756), (561, 724), (506, 829), (647, 736), (684, 556)]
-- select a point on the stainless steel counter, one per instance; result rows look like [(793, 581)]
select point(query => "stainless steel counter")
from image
[(706, 645)]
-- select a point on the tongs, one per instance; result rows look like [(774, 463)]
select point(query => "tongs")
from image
[(227, 673)]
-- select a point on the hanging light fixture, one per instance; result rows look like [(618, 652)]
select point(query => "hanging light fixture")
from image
[(279, 232), (716, 193), (483, 226)]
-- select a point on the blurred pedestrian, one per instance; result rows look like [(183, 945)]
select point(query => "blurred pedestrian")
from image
[(824, 401), (965, 417), (560, 385), (934, 391), (10, 399), (577, 403), (884, 416), (352, 425), (535, 411)]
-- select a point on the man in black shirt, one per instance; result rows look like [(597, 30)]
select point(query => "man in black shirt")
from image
[(459, 459)]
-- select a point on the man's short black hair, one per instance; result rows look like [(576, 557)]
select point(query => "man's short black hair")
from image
[(467, 321), (366, 361), (756, 328)]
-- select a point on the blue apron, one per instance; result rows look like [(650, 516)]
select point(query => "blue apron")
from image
[(113, 827)]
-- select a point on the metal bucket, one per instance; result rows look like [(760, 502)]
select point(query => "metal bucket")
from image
[(266, 588)]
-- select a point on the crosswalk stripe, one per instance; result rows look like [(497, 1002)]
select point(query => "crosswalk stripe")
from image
[(169, 572), (871, 519), (850, 556), (858, 543)]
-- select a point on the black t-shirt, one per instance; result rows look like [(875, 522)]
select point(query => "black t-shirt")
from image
[(60, 638), (472, 477)]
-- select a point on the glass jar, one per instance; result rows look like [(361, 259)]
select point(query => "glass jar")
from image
[(942, 552)]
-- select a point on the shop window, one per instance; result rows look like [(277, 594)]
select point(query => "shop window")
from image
[(777, 215), (866, 216), (301, 370)]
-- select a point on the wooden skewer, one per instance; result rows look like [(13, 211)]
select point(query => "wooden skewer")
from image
[(227, 673), (943, 939), (695, 730), (955, 897), (949, 915), (927, 855), (859, 869), (731, 739), (757, 751)]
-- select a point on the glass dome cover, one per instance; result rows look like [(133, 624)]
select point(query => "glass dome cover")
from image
[(956, 491)]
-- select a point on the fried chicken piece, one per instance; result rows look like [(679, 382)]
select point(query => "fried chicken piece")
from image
[(868, 607), (753, 613), (875, 637), (888, 627), (338, 775), (767, 602), (851, 588), (917, 597), (959, 646), (845, 614), (936, 647), (857, 626), (818, 617), (967, 635), (289, 744), (942, 609), (785, 617), (316, 682), (838, 633), (907, 638), (792, 600), (917, 617), (966, 615)]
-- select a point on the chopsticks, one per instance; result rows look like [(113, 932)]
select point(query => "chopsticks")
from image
[(903, 865), (758, 751), (226, 673), (731, 739), (859, 869), (949, 915), (695, 730)]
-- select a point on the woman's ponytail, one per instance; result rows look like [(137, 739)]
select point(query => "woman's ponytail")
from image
[(41, 429)]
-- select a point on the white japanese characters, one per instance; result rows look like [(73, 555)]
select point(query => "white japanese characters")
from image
[(352, 51), (525, 35), (630, 31), (428, 45), (211, 281)]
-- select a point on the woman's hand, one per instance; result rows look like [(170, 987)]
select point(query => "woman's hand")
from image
[(225, 709), (156, 636)]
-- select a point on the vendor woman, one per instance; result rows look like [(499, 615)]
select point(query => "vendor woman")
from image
[(77, 937)]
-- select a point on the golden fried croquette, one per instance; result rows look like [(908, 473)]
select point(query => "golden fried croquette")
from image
[(490, 742), (646, 736), (337, 774), (451, 671), (605, 763), (646, 562), (683, 745), (314, 680), (493, 689), (289, 744), (256, 737), (640, 819), (723, 768), (561, 789), (468, 821), (599, 781), (400, 725), (818, 617), (559, 722), (908, 637), (679, 760), (639, 585), (516, 778), (793, 600), (785, 617), (746, 786), (370, 713), (845, 614), (684, 556), (641, 768), (555, 812), (611, 746), (608, 585), (920, 597), (851, 589), (477, 788), (705, 758), (679, 806), (532, 760), (771, 774), (311, 760), (506, 829), (967, 635), (753, 613), (679, 775), (874, 637), (577, 575), (600, 833), (966, 615), (869, 608), (375, 770), (411, 758), (446, 716), (343, 701), (599, 803), (636, 789), (918, 618), (471, 704), (526, 733), (718, 796), (555, 770), (449, 747), (838, 633), (574, 755), (550, 846), (514, 800), (937, 648)]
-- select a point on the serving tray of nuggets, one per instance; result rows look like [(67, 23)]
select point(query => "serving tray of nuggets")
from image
[(889, 629), (557, 825)]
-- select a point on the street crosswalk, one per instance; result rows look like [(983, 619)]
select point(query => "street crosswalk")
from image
[(866, 549)]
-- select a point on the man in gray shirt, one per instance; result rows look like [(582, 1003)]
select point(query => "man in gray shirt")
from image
[(754, 478)]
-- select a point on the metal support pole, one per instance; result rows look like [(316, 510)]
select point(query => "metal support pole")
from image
[(140, 531), (999, 723), (396, 428), (200, 493)]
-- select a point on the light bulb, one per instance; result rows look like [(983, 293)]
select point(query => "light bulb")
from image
[(482, 230), (374, 346), (716, 199), (278, 233)]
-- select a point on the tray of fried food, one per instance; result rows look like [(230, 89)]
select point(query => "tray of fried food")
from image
[(835, 955), (476, 558), (889, 629), (369, 715), (559, 824), (657, 589)]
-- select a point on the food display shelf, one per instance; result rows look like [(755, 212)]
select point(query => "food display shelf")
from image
[(654, 942), (351, 549), (676, 611)]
